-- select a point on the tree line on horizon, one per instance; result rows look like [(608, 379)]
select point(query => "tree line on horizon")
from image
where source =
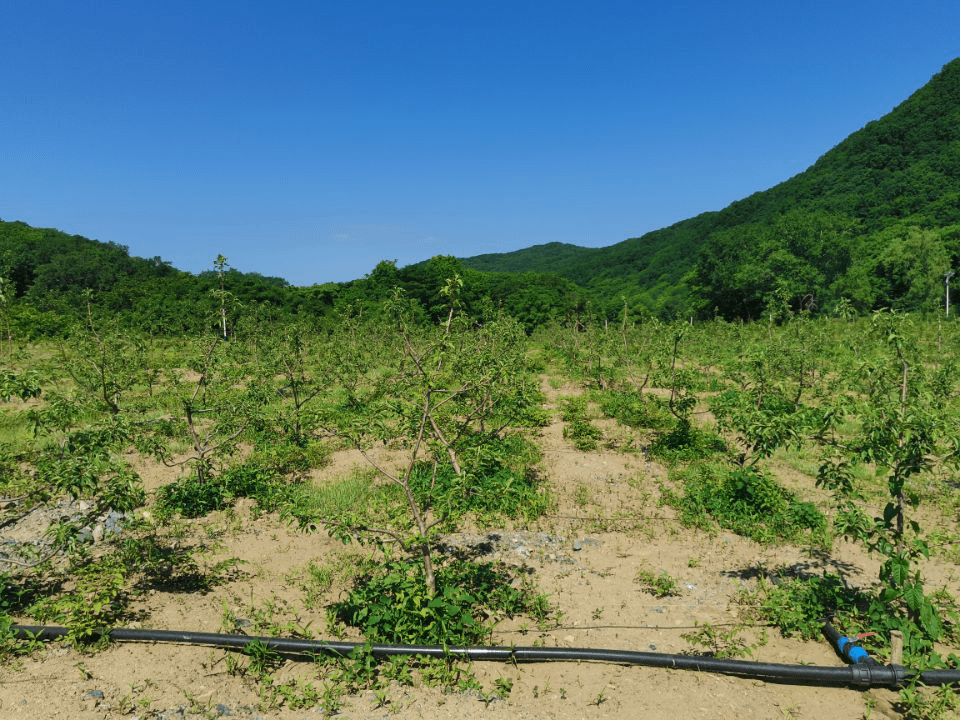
[(874, 223), (50, 279)]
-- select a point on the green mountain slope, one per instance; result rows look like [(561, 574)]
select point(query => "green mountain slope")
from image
[(49, 279), (847, 226)]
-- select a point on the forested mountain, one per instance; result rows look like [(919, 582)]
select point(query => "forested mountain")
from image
[(50, 275), (49, 278), (875, 220)]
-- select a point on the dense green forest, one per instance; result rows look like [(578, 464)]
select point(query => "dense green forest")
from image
[(50, 278), (873, 223), (875, 220)]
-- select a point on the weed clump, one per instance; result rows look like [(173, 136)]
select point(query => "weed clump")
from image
[(579, 430), (393, 605), (630, 407), (504, 493), (192, 498), (799, 605), (659, 585), (746, 501), (685, 443)]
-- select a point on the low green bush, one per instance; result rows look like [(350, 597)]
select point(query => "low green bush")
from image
[(192, 498), (392, 605), (499, 480), (579, 430), (801, 605), (498, 493), (685, 443), (635, 409), (746, 501)]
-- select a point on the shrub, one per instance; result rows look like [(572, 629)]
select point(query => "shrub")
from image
[(394, 606), (685, 443), (192, 498), (579, 430), (746, 501), (636, 410), (496, 492)]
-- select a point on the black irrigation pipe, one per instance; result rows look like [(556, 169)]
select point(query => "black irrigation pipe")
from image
[(859, 676)]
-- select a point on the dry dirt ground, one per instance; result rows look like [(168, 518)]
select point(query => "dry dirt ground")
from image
[(582, 558)]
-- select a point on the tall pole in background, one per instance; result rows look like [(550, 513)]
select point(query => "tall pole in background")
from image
[(946, 281)]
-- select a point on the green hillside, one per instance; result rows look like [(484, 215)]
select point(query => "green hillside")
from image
[(874, 220), (49, 279)]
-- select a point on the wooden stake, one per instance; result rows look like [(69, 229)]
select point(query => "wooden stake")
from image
[(896, 647)]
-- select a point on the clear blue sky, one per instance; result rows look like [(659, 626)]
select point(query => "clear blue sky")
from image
[(311, 140)]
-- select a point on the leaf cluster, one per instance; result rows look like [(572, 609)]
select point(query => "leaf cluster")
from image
[(747, 501), (393, 604)]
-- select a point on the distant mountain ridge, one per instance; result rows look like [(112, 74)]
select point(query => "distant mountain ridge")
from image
[(874, 222), (894, 178)]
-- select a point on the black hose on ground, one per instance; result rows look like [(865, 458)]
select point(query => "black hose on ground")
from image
[(846, 647), (860, 676)]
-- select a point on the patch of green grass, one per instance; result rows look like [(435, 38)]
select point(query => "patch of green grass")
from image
[(392, 604), (15, 429), (659, 585), (746, 501), (357, 499), (316, 579), (582, 496)]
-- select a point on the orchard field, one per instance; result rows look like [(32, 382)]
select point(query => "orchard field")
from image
[(386, 476)]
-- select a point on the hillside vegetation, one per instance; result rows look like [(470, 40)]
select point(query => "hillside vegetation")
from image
[(48, 279), (873, 223), (875, 220)]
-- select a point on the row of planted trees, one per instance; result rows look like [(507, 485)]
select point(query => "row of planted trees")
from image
[(251, 414), (874, 399)]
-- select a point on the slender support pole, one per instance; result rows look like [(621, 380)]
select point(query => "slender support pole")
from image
[(946, 281)]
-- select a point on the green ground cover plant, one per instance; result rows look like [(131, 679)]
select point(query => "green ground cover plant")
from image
[(747, 501), (633, 408), (393, 605), (578, 429)]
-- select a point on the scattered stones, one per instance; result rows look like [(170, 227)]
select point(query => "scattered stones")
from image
[(26, 539), (503, 545), (179, 714), (242, 712), (578, 545)]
